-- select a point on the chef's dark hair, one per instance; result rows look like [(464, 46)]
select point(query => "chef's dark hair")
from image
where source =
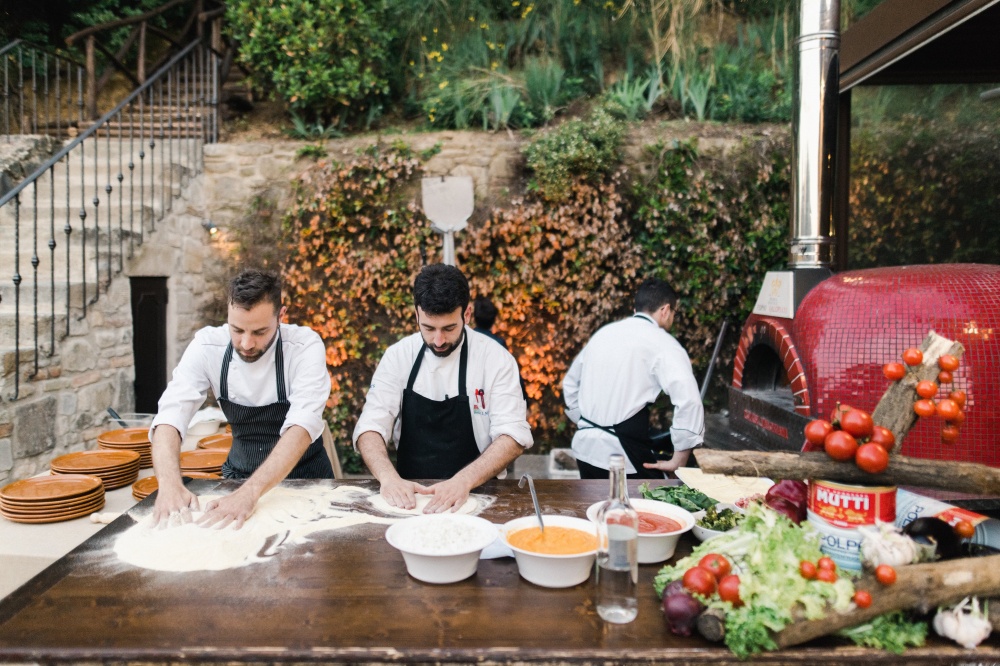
[(440, 289), (653, 294), (484, 312), (253, 286)]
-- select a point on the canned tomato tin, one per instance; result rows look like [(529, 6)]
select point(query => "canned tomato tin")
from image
[(836, 510)]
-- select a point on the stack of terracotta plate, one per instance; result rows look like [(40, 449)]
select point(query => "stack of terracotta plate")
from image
[(114, 468), (129, 439), (208, 461), (222, 441), (50, 499), (143, 488)]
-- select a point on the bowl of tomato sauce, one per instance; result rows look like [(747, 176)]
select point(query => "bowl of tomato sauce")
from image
[(660, 527)]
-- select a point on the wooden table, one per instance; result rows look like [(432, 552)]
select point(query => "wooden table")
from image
[(345, 597)]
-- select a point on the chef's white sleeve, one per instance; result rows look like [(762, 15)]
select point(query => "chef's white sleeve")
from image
[(188, 387), (675, 376), (385, 396), (571, 388), (308, 386), (509, 412)]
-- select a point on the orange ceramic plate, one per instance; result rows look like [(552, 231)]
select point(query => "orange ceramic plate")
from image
[(55, 503), (125, 436), (221, 440), (50, 519), (56, 511), (44, 488), (203, 459), (145, 486), (94, 460)]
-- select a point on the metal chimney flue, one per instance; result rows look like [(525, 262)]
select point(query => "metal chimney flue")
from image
[(814, 133)]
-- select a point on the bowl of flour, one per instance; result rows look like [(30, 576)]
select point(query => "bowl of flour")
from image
[(441, 548)]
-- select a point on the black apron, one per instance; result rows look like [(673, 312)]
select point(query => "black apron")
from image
[(436, 437), (633, 433), (256, 430)]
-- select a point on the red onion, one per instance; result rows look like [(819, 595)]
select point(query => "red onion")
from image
[(681, 611)]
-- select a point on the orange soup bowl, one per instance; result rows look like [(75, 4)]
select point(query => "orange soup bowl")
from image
[(552, 569), (655, 546)]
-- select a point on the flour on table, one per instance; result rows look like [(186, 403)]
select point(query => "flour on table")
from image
[(473, 505), (283, 516)]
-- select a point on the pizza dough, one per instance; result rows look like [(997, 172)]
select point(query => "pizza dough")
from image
[(723, 487), (471, 506)]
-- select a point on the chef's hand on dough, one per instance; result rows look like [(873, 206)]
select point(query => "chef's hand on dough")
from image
[(232, 509), (173, 505), (400, 493), (448, 495)]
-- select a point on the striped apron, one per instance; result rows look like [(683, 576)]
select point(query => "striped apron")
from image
[(256, 430)]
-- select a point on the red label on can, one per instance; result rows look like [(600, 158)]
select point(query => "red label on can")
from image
[(849, 506)]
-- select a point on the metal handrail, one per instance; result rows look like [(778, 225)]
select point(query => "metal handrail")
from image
[(52, 52), (176, 108), (48, 73)]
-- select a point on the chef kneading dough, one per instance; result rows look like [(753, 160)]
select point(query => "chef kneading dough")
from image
[(378, 502)]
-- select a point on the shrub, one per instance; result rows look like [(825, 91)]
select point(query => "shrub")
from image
[(587, 150), (325, 58)]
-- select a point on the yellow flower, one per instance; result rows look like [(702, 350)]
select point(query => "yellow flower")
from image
[(494, 64), (490, 45), (483, 26), (443, 85), (515, 4), (431, 117), (411, 63), (472, 19), (435, 31), (423, 38), (444, 46)]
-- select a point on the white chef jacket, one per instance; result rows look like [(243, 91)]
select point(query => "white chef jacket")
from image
[(498, 410), (307, 383), (623, 368)]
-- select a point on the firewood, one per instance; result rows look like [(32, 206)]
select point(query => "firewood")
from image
[(920, 587), (711, 624), (895, 410), (902, 471), (994, 612)]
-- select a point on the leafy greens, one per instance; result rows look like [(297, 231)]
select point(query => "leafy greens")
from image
[(682, 496)]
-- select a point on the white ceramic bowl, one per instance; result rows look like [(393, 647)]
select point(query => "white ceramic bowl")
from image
[(703, 533), (655, 547), (202, 428), (423, 541), (551, 570)]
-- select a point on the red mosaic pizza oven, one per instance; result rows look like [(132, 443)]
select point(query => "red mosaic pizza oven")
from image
[(788, 371)]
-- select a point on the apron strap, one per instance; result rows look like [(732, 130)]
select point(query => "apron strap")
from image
[(279, 370), (224, 377), (463, 364)]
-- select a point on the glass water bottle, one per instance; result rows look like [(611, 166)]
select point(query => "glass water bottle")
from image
[(617, 567)]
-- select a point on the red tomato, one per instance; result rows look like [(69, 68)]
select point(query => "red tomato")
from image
[(885, 574), (925, 408), (729, 590), (964, 529), (958, 397), (959, 418), (894, 371), (948, 362), (700, 581), (840, 445), (883, 437), (826, 563), (857, 422), (807, 569), (949, 433), (838, 413), (862, 599), (872, 458), (926, 388), (717, 564), (945, 377), (827, 575), (948, 409), (913, 356), (817, 430)]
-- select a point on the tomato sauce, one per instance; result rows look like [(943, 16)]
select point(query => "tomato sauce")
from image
[(554, 541), (654, 523)]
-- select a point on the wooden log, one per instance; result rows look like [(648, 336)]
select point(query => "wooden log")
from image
[(902, 471), (895, 410), (993, 612), (711, 624), (920, 587)]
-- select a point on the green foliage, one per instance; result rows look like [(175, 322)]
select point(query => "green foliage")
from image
[(753, 77), (313, 151), (587, 150), (543, 82), (303, 130), (633, 98), (924, 191), (325, 58), (712, 228)]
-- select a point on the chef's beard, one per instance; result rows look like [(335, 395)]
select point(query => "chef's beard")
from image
[(447, 350), (253, 358)]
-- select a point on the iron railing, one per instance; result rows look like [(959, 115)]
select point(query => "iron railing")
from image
[(172, 115), (42, 90)]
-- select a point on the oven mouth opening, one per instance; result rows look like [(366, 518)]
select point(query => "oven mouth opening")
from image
[(765, 377)]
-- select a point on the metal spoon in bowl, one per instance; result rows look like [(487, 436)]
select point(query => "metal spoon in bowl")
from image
[(534, 498)]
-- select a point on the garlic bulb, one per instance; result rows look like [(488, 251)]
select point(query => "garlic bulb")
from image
[(965, 623), (883, 543)]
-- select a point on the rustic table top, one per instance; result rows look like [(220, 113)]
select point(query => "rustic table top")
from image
[(345, 596)]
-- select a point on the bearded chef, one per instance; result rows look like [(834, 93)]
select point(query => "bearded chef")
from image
[(618, 374), (449, 397), (272, 384)]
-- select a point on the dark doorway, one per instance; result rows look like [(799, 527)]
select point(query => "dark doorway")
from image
[(149, 340)]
